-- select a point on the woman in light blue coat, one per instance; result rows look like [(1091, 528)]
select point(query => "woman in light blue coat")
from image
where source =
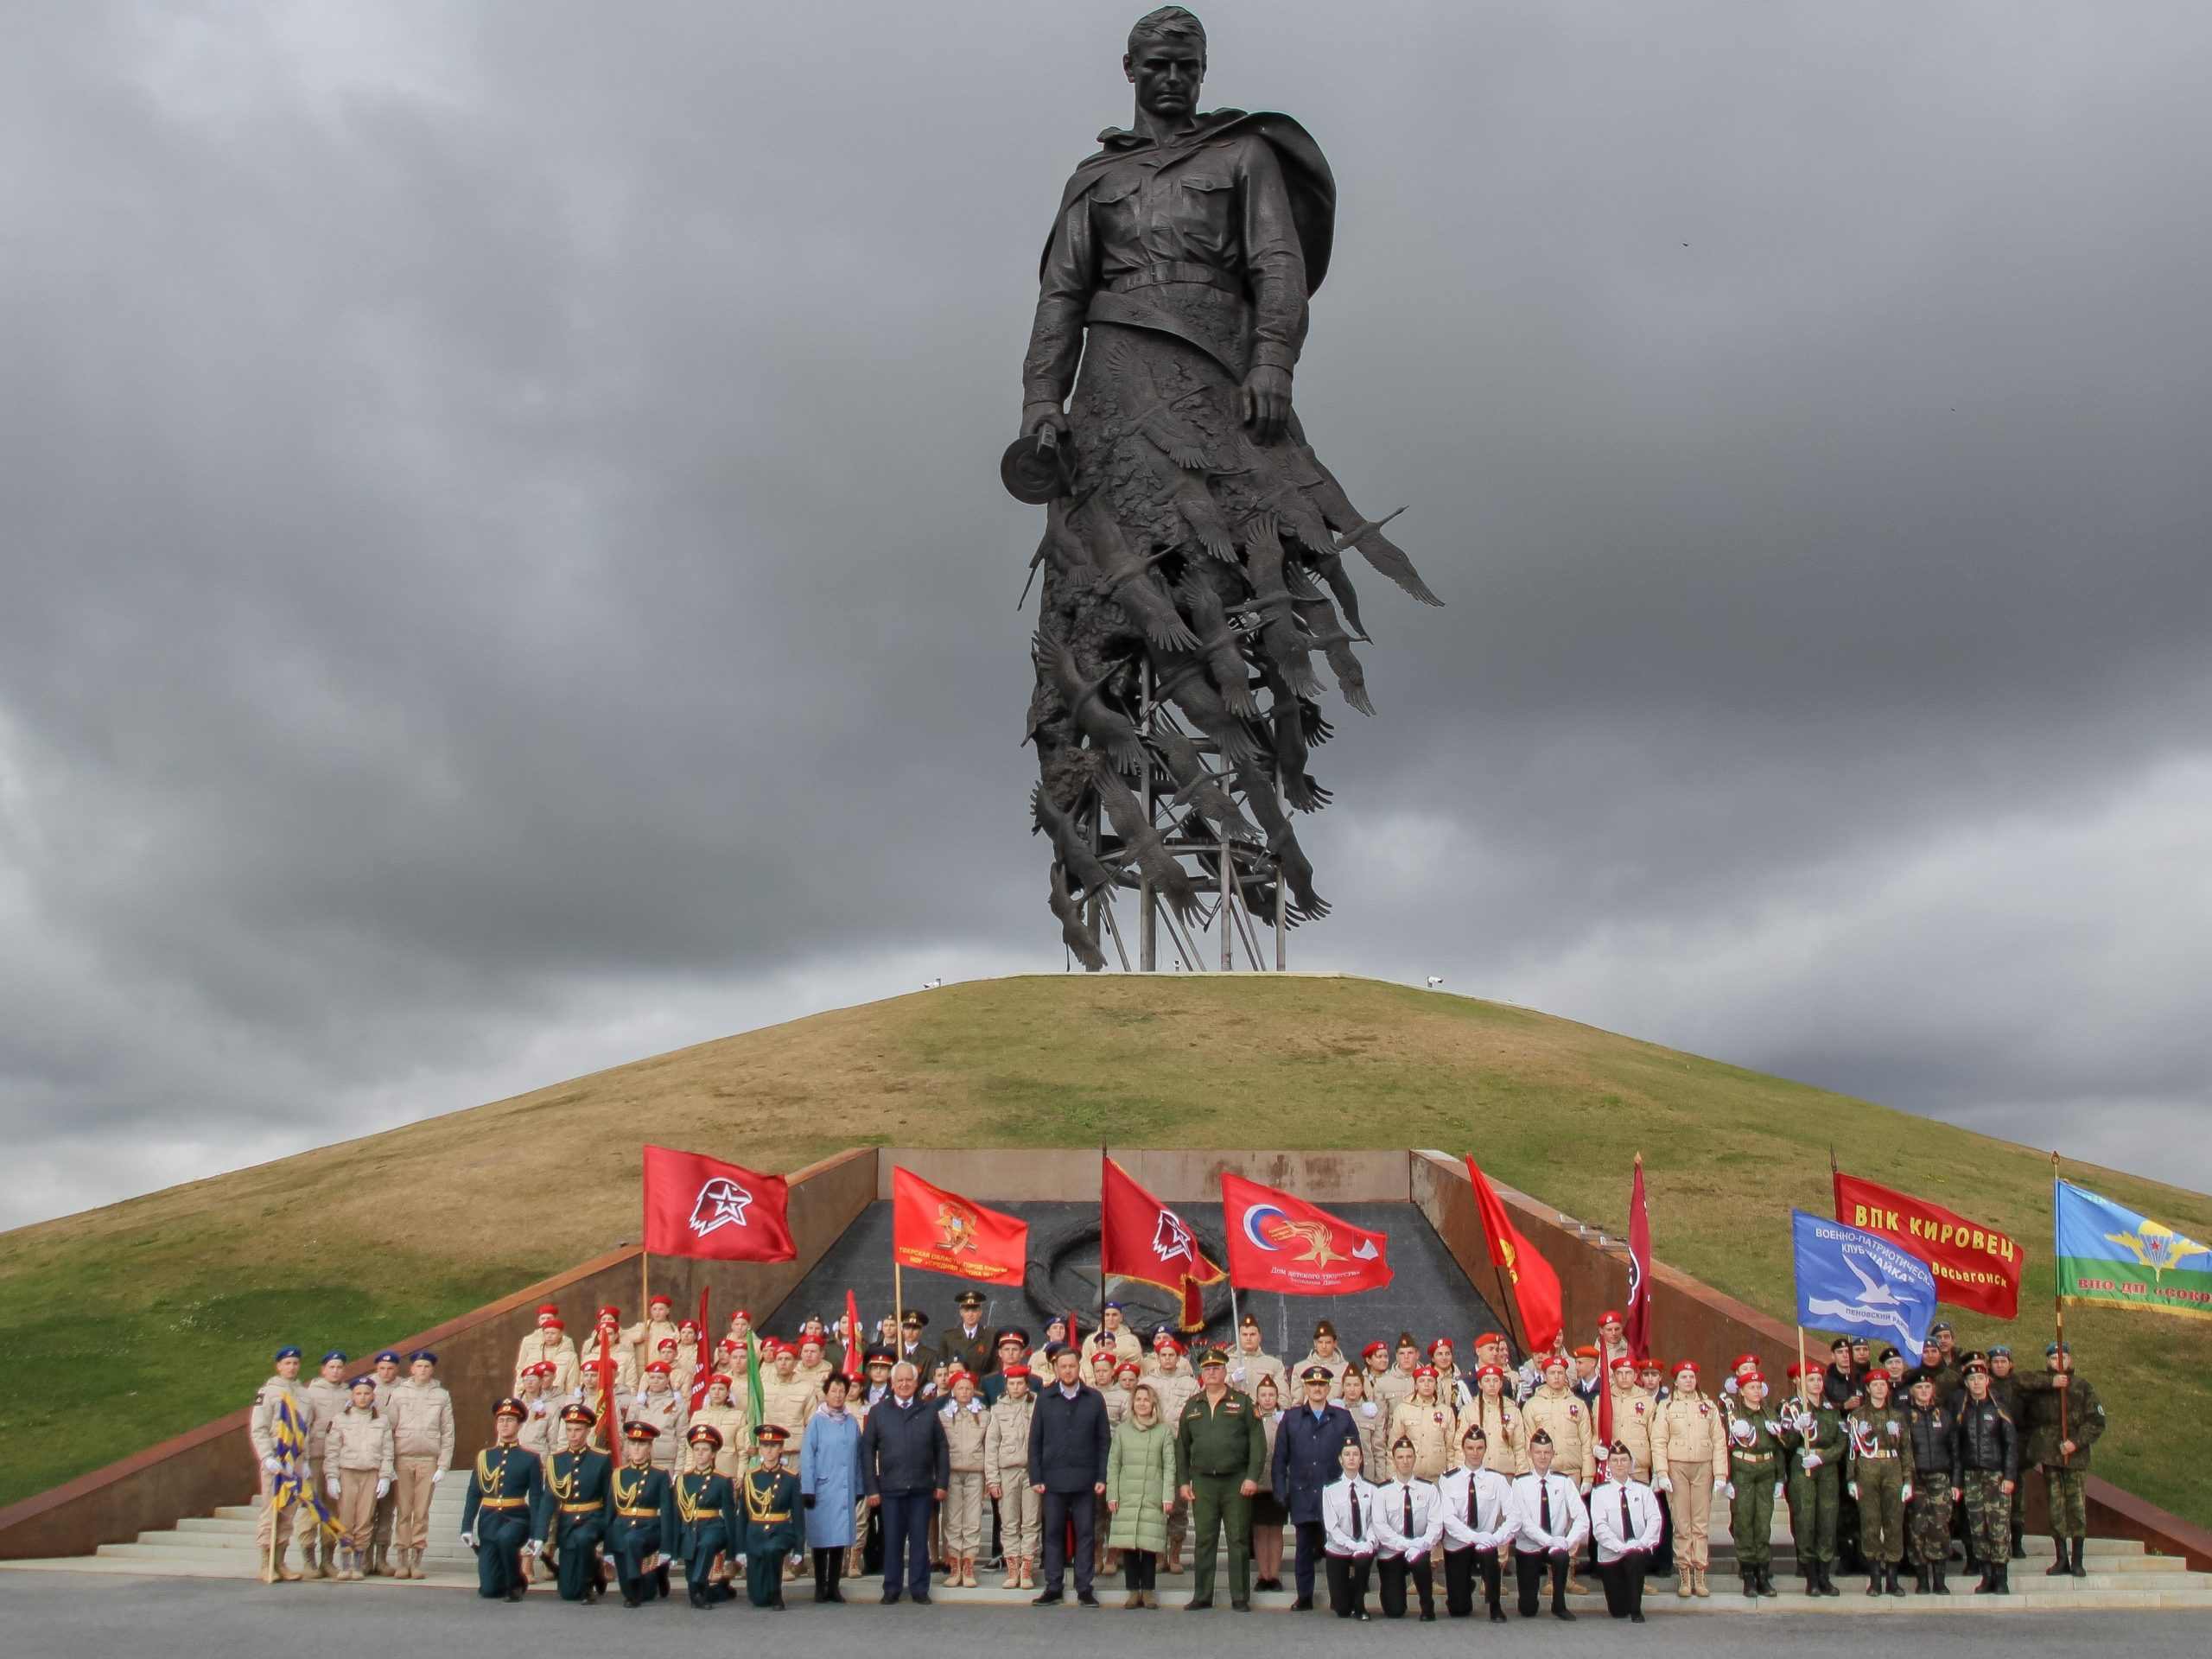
[(829, 1486)]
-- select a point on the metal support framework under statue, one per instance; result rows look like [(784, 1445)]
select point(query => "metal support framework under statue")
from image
[(1193, 558)]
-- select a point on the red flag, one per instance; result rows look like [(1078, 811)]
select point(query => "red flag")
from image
[(700, 1206), (851, 1365), (1280, 1242), (1141, 1238), (943, 1232), (701, 1370), (1636, 1321), (1535, 1286), (1976, 1266)]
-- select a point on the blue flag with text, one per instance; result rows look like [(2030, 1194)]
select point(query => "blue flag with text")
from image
[(1857, 1283)]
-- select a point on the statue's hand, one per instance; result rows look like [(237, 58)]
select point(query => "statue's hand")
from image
[(1267, 401), (1039, 419)]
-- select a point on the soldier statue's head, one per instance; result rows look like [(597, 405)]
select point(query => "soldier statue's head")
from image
[(1167, 63)]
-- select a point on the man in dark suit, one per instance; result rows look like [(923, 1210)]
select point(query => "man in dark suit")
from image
[(905, 1467), (1068, 1440), (1306, 1443)]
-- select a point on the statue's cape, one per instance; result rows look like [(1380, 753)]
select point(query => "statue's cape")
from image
[(1305, 170)]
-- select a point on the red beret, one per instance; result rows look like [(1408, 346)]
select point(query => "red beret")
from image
[(668, 1342), (1743, 1360), (1622, 1363), (1374, 1348), (610, 1313), (1681, 1365), (1425, 1370), (1482, 1371), (1127, 1366), (1807, 1368), (1586, 1352), (726, 1381), (659, 1365), (549, 1307), (1442, 1342), (1551, 1360), (1488, 1337), (1751, 1376), (662, 1301), (1611, 1318), (554, 1325), (1014, 1370)]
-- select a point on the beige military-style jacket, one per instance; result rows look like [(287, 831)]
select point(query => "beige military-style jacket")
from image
[(1117, 1404), (1505, 1438), (1245, 1372), (670, 1414), (1006, 1441), (1691, 1429), (555, 1345), (1635, 1414), (421, 1414), (788, 1404), (1393, 1387), (541, 1429), (261, 1423), (626, 1366), (360, 1438), (1372, 1419), (731, 1422), (1122, 1345), (1566, 1419), (644, 1339), (1334, 1365), (965, 1434), (1435, 1430), (326, 1399), (1173, 1393), (817, 1374)]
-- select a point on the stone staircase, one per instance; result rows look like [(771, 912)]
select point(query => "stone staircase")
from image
[(2120, 1574)]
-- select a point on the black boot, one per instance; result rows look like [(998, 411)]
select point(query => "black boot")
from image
[(1920, 1579), (2079, 1571), (2001, 1583), (1896, 1589), (1827, 1580), (1981, 1588), (1935, 1585), (2019, 1549), (2058, 1567), (1873, 1578), (1810, 1571), (1749, 1578)]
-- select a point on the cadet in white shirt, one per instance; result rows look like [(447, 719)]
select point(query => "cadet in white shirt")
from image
[(1552, 1525), (1408, 1521), (1624, 1520), (1476, 1505), (1348, 1536)]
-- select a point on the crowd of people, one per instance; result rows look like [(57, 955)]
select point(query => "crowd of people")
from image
[(614, 1464)]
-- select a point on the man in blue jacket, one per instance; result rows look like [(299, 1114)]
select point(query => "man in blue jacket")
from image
[(1068, 1440), (905, 1468), (1306, 1443)]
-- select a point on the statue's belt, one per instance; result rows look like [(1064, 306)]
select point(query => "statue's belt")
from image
[(1172, 271)]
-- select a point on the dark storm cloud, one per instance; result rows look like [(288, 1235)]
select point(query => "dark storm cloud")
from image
[(503, 570)]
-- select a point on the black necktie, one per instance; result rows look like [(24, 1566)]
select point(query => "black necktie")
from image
[(1471, 1500), (1351, 1492), (1544, 1503), (1625, 1534), (1409, 1512)]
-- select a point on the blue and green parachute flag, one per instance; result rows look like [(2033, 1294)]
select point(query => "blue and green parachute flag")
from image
[(2112, 1257)]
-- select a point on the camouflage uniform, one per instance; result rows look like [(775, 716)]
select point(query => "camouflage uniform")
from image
[(1928, 1517), (1755, 1461), (1988, 1457), (2064, 1475), (1881, 1464)]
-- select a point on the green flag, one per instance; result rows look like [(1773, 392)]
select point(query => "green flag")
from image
[(755, 1408), (2109, 1255)]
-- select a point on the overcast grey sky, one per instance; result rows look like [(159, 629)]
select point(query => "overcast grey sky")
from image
[(505, 572)]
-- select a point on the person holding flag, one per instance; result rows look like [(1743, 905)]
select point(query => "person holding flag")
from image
[(280, 1407), (2062, 1419), (1812, 1434)]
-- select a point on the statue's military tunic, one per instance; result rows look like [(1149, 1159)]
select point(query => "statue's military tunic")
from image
[(1816, 1441), (506, 1508), (1755, 1455), (706, 1526), (1881, 1464), (772, 1531), (1217, 1448), (640, 1522), (578, 1486)]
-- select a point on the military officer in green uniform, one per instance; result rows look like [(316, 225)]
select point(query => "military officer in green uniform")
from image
[(705, 1518), (1220, 1450), (1931, 1426), (641, 1518), (1812, 1431), (970, 1345), (577, 1480), (2060, 1420), (1879, 1477), (1754, 1463), (503, 1517), (772, 1520)]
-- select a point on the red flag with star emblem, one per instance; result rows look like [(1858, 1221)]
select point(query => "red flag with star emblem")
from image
[(1141, 1238), (700, 1206)]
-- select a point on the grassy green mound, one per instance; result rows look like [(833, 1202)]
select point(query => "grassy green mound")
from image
[(123, 1325)]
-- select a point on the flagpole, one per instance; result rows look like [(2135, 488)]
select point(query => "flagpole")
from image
[(2057, 1302), (1101, 1243)]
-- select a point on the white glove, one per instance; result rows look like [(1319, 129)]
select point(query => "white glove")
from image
[(331, 1486), (536, 1547), (436, 1475), (1907, 1492), (272, 1465), (1852, 1488), (1664, 1483), (383, 1485), (1813, 1460), (468, 1537), (1724, 1489), (1583, 1487)]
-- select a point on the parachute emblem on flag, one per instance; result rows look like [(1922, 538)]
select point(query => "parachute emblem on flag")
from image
[(2156, 1247), (721, 1202)]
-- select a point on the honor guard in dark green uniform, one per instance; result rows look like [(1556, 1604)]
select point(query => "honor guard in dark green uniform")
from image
[(577, 1482), (640, 1518), (504, 1512), (1755, 1460), (1812, 1431), (772, 1520), (1220, 1452), (2059, 1420), (1880, 1478), (706, 1525)]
